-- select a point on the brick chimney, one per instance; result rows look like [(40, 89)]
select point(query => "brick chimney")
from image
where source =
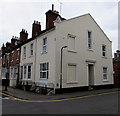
[(14, 40), (3, 48), (8, 45), (51, 15), (23, 35), (36, 28)]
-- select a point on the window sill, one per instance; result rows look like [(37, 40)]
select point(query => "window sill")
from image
[(30, 56), (23, 58), (26, 79), (44, 52), (104, 57), (43, 78), (73, 51), (105, 80), (13, 78), (75, 82), (90, 50)]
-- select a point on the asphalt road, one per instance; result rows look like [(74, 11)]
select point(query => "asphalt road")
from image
[(100, 104)]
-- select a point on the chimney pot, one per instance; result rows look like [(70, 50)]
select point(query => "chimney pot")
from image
[(52, 7), (36, 28)]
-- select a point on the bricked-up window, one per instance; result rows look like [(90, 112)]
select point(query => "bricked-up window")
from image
[(31, 49), (44, 70), (44, 45), (104, 73), (24, 52), (71, 42), (103, 50), (89, 40)]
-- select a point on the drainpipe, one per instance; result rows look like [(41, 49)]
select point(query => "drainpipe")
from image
[(35, 59)]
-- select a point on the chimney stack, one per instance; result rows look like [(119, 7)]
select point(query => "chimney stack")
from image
[(23, 35), (36, 28), (8, 45), (51, 15), (13, 40), (3, 48)]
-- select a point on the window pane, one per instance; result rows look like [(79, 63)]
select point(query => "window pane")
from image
[(44, 70), (104, 70), (44, 41), (89, 34), (89, 40), (21, 72), (25, 71)]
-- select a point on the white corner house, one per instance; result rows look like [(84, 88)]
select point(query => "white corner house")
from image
[(86, 55)]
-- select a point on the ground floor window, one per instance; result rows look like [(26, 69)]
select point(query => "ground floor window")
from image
[(27, 69), (104, 73), (4, 70), (44, 70), (14, 72), (21, 72)]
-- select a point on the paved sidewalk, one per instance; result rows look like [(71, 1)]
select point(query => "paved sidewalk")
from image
[(34, 96)]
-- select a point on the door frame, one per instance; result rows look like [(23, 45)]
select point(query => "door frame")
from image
[(87, 64)]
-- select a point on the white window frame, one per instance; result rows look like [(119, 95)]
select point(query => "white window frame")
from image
[(15, 72), (24, 52), (25, 74), (105, 73), (4, 70), (89, 40), (104, 51), (21, 72), (44, 46), (12, 72), (24, 71), (46, 70), (18, 53), (31, 49), (12, 56)]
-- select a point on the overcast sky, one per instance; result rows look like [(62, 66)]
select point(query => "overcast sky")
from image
[(16, 15)]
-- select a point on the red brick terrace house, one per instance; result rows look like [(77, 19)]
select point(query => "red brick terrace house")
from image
[(116, 68), (11, 58)]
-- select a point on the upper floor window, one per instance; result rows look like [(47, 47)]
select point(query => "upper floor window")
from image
[(89, 40), (18, 54), (24, 52), (44, 45), (12, 56), (103, 50), (31, 49), (71, 42)]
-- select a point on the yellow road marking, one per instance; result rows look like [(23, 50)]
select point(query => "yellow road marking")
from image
[(57, 100)]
